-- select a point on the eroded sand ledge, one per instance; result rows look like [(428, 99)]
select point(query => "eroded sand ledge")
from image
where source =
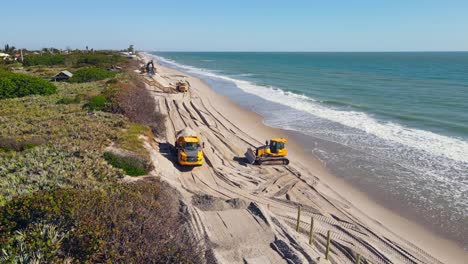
[(247, 213)]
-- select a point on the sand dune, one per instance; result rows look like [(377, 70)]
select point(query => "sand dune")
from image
[(248, 213)]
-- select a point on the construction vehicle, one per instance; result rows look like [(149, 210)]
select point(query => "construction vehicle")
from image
[(189, 148), (148, 68), (182, 86), (274, 152)]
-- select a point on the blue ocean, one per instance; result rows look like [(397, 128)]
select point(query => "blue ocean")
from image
[(395, 125)]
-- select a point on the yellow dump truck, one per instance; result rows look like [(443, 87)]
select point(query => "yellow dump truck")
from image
[(274, 152), (189, 148), (182, 86)]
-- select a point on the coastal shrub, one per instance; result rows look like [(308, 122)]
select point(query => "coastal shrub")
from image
[(98, 59), (12, 144), (133, 100), (76, 142), (120, 223), (132, 165), (7, 88), (44, 59), (97, 103), (19, 85), (131, 138), (45, 167), (75, 59), (90, 74), (69, 100)]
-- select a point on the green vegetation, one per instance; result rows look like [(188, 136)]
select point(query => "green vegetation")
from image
[(99, 59), (132, 165), (90, 74), (69, 100), (129, 97), (75, 59), (61, 194), (97, 103), (58, 226), (11, 144), (46, 59), (72, 142), (14, 85), (131, 140)]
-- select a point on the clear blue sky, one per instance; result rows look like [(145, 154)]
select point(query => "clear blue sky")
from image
[(262, 25)]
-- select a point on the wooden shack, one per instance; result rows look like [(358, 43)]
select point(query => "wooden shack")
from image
[(62, 76)]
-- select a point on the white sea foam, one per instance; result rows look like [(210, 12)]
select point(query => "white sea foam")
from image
[(439, 145)]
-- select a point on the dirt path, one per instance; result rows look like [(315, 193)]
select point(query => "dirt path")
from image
[(247, 212)]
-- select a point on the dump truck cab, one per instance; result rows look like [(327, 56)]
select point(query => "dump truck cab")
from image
[(189, 148), (182, 86)]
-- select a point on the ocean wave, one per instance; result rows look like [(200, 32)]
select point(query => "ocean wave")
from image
[(439, 145), (341, 103), (244, 75)]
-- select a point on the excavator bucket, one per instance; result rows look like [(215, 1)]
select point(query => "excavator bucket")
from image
[(250, 155)]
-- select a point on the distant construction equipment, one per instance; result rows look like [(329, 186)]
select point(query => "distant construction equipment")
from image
[(148, 68), (182, 86)]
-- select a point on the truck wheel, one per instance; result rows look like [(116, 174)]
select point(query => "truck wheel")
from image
[(285, 162)]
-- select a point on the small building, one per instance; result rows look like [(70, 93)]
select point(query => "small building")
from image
[(4, 56), (62, 76)]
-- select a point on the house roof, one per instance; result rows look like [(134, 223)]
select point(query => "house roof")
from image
[(67, 73), (4, 54)]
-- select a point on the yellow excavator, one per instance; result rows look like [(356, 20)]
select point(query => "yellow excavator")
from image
[(273, 152), (182, 86)]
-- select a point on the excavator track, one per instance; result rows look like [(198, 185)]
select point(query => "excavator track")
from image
[(272, 161)]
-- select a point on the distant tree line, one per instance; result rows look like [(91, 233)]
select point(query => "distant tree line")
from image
[(76, 59)]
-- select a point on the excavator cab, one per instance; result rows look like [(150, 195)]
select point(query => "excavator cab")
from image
[(277, 147)]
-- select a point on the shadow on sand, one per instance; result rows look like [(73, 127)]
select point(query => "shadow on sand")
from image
[(241, 160)]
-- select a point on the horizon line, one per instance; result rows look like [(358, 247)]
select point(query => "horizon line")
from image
[(278, 51)]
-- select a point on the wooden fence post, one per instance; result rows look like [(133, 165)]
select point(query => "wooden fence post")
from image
[(358, 259), (298, 218), (327, 252), (311, 234)]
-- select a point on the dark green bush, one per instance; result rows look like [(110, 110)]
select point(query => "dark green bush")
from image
[(7, 88), (97, 103), (19, 85), (90, 74), (122, 223), (132, 165)]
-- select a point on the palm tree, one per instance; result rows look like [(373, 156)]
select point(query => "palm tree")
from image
[(9, 49)]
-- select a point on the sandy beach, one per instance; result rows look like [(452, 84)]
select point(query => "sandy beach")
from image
[(247, 213)]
